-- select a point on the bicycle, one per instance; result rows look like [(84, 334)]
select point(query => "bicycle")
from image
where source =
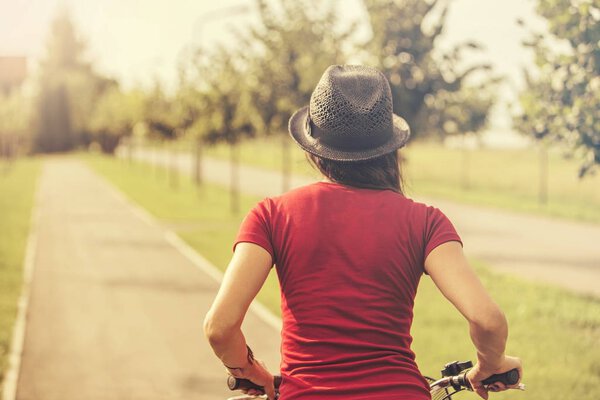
[(454, 380)]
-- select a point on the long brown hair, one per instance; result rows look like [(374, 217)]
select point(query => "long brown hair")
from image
[(379, 173)]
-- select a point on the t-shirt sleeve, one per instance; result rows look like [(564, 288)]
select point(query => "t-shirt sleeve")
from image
[(256, 228), (438, 230)]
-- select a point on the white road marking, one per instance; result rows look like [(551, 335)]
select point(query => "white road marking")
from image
[(190, 253)]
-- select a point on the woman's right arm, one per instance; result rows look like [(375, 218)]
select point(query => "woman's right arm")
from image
[(450, 271)]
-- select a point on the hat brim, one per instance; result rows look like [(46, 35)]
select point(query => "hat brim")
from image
[(298, 130)]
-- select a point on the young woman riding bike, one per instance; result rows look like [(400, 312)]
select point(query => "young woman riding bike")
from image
[(349, 252)]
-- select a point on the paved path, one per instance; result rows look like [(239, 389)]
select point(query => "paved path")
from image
[(115, 310), (543, 249)]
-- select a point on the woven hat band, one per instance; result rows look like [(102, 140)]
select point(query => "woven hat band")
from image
[(347, 142)]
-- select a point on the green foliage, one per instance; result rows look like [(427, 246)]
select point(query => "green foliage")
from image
[(84, 88), (190, 107), (255, 88), (15, 113), (114, 116), (159, 115), (16, 201), (434, 93), (561, 101), (294, 43), (223, 94), (15, 122)]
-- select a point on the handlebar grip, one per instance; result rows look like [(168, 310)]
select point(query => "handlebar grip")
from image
[(507, 378), (241, 384), (244, 384)]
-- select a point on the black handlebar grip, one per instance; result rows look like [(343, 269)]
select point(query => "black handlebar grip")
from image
[(241, 384), (507, 378), (244, 384)]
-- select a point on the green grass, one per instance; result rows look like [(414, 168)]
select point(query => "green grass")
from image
[(17, 186), (506, 179), (555, 332), (503, 178)]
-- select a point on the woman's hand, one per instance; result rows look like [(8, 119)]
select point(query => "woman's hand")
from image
[(481, 372), (258, 374)]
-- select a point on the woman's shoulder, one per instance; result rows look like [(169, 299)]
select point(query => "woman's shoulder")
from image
[(317, 191)]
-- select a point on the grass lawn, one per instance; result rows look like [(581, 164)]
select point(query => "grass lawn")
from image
[(555, 332), (17, 186), (498, 178)]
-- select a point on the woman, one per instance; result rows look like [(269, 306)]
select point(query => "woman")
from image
[(350, 251)]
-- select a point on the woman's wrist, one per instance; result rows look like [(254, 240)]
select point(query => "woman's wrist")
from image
[(490, 363), (239, 370)]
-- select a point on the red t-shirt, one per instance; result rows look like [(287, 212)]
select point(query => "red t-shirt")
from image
[(349, 262)]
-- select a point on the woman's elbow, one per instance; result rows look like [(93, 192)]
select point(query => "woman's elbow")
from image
[(216, 331), (493, 321)]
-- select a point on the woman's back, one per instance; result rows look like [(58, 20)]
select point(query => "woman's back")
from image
[(349, 257), (347, 298)]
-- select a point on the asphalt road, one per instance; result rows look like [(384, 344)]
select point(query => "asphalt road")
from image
[(116, 310), (558, 252)]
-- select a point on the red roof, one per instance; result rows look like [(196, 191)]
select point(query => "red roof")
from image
[(13, 71)]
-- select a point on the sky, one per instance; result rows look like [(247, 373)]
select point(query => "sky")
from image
[(137, 41)]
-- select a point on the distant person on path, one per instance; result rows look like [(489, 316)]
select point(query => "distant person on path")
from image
[(349, 252)]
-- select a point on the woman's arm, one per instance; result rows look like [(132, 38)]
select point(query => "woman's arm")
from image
[(450, 271), (244, 277)]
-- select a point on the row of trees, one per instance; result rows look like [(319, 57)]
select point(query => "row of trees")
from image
[(230, 93), (561, 102), (227, 94)]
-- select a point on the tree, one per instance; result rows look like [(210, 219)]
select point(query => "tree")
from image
[(225, 117), (15, 115), (294, 43), (561, 101), (161, 119), (159, 116), (114, 117), (54, 133), (68, 89), (190, 106), (434, 93)]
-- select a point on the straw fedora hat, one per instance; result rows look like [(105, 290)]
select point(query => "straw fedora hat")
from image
[(350, 116)]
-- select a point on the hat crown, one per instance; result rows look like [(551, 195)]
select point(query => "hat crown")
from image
[(350, 116), (352, 101)]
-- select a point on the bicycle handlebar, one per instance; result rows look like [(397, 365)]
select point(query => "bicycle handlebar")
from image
[(508, 378), (458, 381)]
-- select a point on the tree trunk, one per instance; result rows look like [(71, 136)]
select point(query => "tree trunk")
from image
[(465, 165), (174, 172), (159, 159), (131, 149), (5, 152), (197, 164), (543, 183), (13, 149), (234, 183), (286, 164)]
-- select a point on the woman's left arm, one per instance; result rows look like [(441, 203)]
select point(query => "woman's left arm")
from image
[(245, 275)]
